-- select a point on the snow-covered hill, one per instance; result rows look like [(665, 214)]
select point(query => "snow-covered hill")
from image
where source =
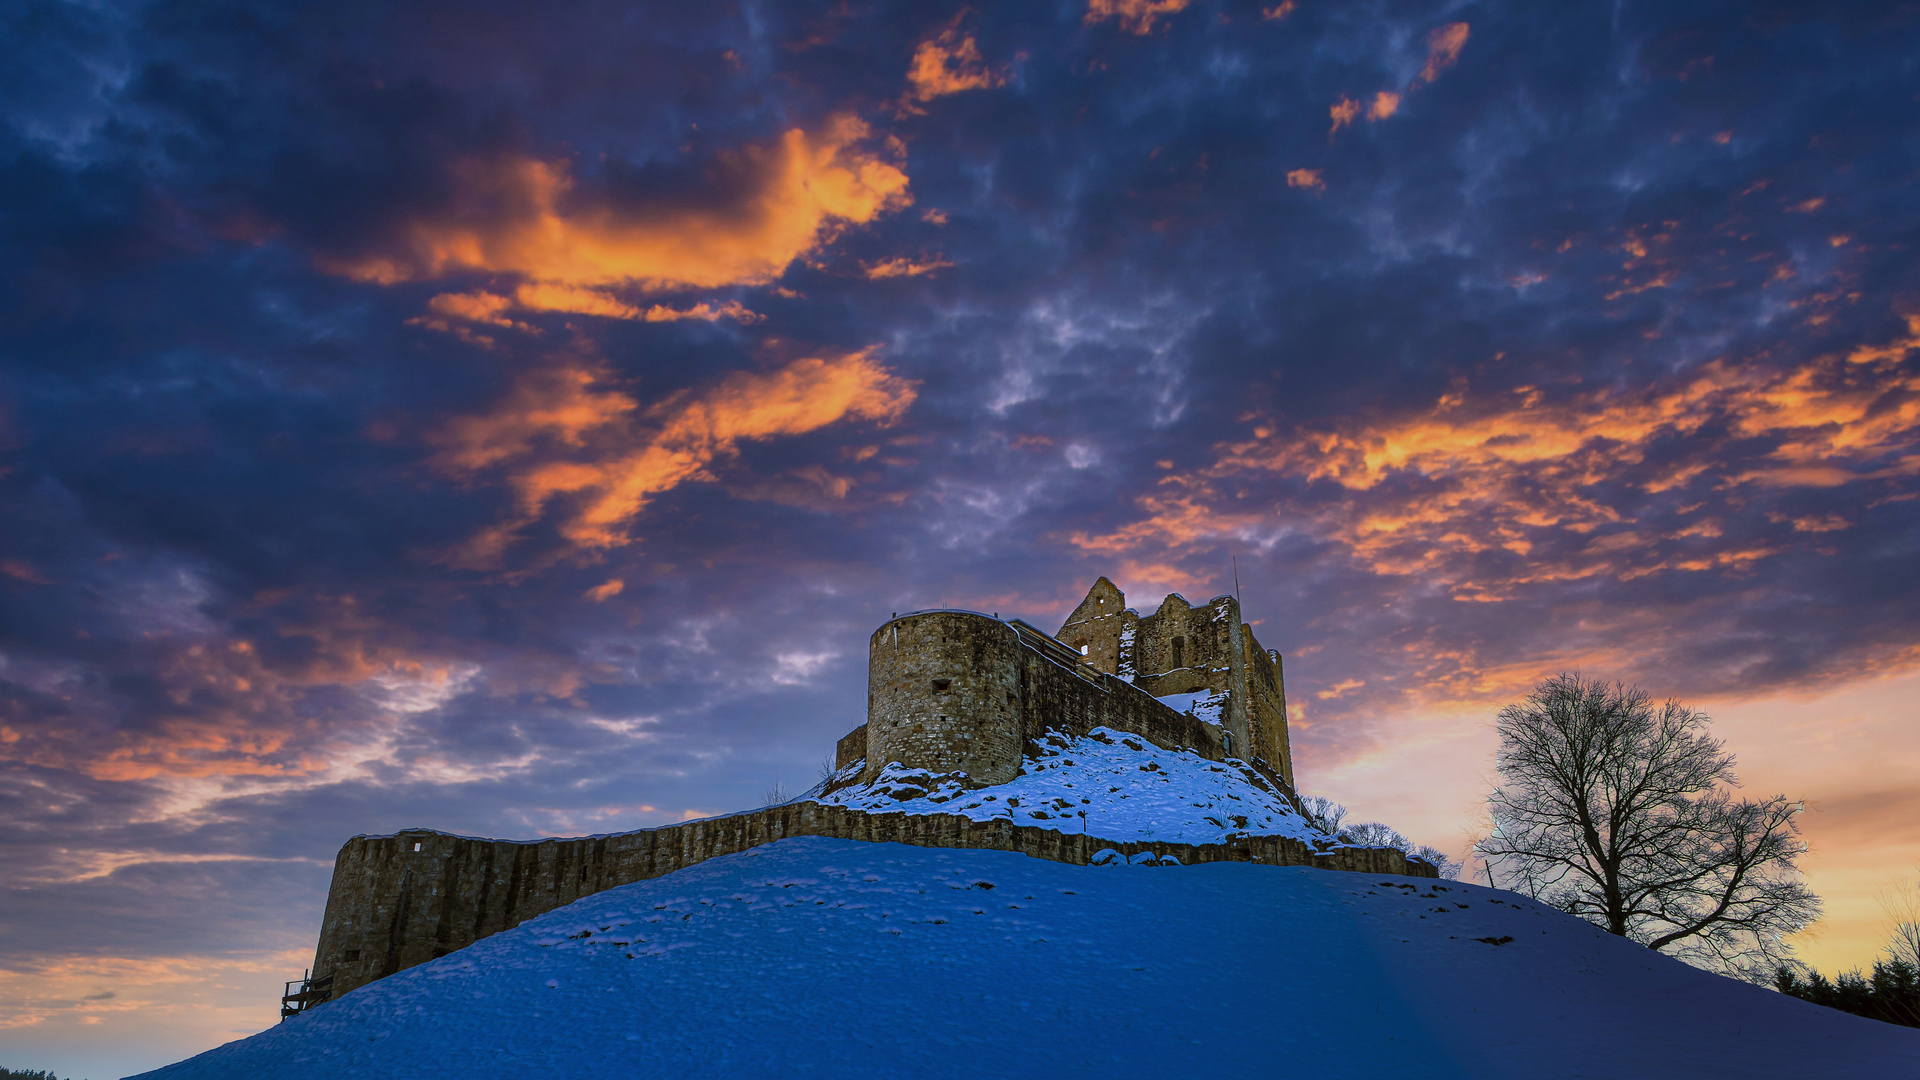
[(835, 958), (1126, 788)]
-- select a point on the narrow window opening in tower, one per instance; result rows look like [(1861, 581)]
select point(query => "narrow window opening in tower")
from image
[(940, 686), (1179, 652)]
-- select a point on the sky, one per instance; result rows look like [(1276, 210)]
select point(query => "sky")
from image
[(513, 419)]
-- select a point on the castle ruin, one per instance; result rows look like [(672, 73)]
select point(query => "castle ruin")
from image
[(961, 692), (951, 692)]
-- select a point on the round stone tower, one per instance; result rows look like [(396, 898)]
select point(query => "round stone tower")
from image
[(943, 694)]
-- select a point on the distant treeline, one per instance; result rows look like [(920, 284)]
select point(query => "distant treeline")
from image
[(26, 1074), (1892, 993)]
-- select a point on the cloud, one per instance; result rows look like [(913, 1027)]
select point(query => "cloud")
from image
[(1443, 49), (561, 405), (628, 456), (1346, 110), (22, 570), (313, 701), (950, 63), (490, 308), (1306, 178), (1135, 16), (1343, 112), (903, 267), (607, 590), (530, 218), (475, 307)]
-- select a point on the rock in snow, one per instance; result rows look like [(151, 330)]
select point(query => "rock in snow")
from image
[(822, 957)]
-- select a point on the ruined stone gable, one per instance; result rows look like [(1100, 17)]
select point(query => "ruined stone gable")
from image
[(1183, 649)]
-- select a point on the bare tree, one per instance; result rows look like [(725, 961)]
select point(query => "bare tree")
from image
[(1449, 867), (1373, 834), (1617, 811), (1902, 907), (1324, 814)]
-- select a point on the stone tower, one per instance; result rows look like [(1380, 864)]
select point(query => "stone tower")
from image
[(943, 693), (1181, 651)]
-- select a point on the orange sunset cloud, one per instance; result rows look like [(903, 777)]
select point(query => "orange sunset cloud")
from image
[(1443, 49), (527, 217), (562, 433), (903, 267), (1134, 16), (1306, 178), (950, 63), (490, 308), (1343, 113)]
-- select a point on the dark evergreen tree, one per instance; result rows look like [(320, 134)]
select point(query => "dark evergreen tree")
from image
[(1892, 994)]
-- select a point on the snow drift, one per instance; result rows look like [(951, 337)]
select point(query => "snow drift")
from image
[(814, 956)]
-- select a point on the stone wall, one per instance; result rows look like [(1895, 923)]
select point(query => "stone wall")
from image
[(851, 748), (1075, 699), (402, 900), (1267, 705)]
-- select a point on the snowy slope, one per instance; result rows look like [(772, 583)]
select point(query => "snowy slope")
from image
[(834, 958), (1128, 788)]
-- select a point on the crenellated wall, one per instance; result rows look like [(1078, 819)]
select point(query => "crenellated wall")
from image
[(405, 899)]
